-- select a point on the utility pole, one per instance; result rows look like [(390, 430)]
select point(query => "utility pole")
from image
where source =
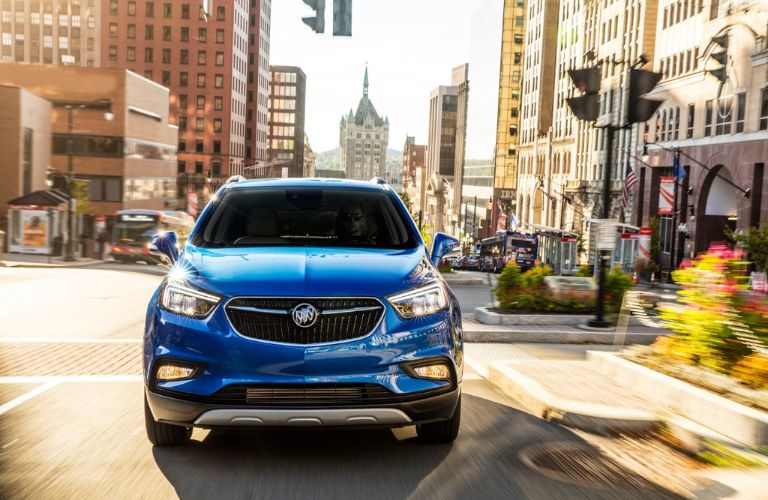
[(69, 253)]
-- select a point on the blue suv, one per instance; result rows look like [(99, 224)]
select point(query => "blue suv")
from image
[(303, 302)]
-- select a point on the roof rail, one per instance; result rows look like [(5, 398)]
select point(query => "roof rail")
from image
[(378, 180), (235, 178)]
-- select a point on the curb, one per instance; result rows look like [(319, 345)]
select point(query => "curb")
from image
[(463, 281), (44, 265), (558, 337), (595, 418)]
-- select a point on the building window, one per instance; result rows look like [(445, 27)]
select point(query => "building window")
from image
[(216, 167), (183, 101), (167, 33), (112, 30), (199, 146), (184, 56), (724, 117), (183, 79), (167, 78), (741, 103), (182, 123), (691, 115), (219, 58), (184, 34), (199, 124), (131, 54), (131, 8), (166, 56), (201, 57), (182, 145), (708, 118), (113, 7), (112, 52), (181, 167), (198, 167), (148, 74), (131, 31), (217, 125), (220, 13), (149, 9), (201, 102), (764, 110), (218, 103), (201, 79), (148, 54), (202, 35), (217, 146), (219, 81), (219, 36), (167, 10), (149, 32), (185, 11)]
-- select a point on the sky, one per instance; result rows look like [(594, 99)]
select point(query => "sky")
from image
[(410, 47)]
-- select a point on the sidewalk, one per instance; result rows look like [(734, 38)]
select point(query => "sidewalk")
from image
[(475, 331), (43, 261)]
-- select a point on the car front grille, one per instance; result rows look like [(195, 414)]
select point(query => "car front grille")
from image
[(271, 319), (305, 395)]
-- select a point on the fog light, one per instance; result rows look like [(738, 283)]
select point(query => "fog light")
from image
[(174, 372), (438, 371)]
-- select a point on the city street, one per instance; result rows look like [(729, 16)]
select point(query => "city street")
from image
[(72, 423)]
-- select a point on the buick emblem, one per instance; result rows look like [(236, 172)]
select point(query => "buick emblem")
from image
[(304, 315)]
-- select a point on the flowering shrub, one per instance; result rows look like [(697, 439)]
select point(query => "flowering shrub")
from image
[(717, 322)]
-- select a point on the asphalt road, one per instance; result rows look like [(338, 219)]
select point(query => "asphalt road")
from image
[(78, 436)]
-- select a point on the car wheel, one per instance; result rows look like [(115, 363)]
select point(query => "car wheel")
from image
[(161, 434), (441, 432)]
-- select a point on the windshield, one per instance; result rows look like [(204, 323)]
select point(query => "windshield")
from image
[(135, 229), (262, 217)]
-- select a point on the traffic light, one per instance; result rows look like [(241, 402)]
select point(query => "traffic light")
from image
[(641, 82), (342, 17), (587, 81), (721, 72), (317, 23)]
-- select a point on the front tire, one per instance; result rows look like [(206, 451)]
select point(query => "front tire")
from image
[(444, 431), (160, 434)]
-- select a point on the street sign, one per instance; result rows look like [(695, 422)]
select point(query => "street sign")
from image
[(606, 234)]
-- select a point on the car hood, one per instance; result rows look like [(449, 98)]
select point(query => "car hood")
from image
[(305, 272)]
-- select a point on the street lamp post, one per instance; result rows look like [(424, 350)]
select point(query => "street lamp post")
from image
[(71, 106)]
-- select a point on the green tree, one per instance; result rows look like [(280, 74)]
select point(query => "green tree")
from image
[(82, 197), (406, 200), (755, 242)]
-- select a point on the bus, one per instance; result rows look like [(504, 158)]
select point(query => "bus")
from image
[(508, 246), (134, 229)]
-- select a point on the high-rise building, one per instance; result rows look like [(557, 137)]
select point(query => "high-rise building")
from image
[(414, 157), (128, 155), (288, 86), (443, 107), (207, 59), (720, 130), (47, 32), (460, 80), (364, 137), (508, 123)]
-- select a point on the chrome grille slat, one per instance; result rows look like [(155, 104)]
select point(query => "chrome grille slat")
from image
[(269, 319)]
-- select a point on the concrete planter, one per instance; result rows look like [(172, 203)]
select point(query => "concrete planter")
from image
[(488, 317), (743, 424)]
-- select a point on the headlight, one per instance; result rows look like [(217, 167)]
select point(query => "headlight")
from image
[(420, 302), (187, 301)]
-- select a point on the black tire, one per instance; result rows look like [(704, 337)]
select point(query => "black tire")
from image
[(161, 434), (444, 431), (151, 262)]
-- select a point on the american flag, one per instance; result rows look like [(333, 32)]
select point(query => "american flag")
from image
[(629, 182)]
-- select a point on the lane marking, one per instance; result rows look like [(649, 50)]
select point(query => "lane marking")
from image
[(53, 340), (26, 397), (41, 379)]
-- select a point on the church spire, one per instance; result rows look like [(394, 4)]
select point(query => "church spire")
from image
[(365, 82)]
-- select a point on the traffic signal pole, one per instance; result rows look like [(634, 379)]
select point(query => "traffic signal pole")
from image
[(605, 256)]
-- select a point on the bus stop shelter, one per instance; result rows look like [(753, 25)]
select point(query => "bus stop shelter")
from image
[(35, 220)]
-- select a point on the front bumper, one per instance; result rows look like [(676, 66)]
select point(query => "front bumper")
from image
[(430, 408)]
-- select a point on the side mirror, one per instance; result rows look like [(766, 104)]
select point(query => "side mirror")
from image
[(165, 244), (442, 245)]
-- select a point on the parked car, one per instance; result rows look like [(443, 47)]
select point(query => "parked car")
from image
[(472, 263), (303, 302), (461, 262)]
